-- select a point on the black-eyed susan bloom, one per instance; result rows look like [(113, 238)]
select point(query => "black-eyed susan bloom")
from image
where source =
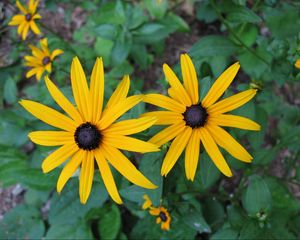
[(193, 121), (41, 59), (90, 134), (26, 20), (163, 217)]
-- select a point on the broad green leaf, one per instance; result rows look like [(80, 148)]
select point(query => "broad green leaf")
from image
[(156, 8), (120, 52), (226, 233), (236, 216), (243, 15), (10, 91), (208, 171), (196, 221), (110, 222), (108, 31), (103, 48)]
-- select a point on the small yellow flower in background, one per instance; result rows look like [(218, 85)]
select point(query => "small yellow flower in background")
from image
[(148, 203), (89, 133), (193, 121), (163, 216), (297, 63), (26, 20), (41, 59)]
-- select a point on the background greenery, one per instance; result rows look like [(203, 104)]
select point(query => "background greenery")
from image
[(261, 200)]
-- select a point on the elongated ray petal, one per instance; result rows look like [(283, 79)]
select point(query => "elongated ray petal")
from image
[(174, 82), (220, 85), (189, 77), (164, 102), (131, 126), (44, 45), (228, 120), (21, 8), (48, 115), (21, 27), (51, 138), (168, 133), (164, 117), (36, 52), (25, 31), (34, 28), (175, 150), (80, 90), (120, 93), (125, 167), (231, 103), (86, 176), (97, 89), (69, 170), (226, 141), (192, 155), (62, 101), (55, 53), (107, 177), (214, 152), (129, 144), (58, 157), (113, 113)]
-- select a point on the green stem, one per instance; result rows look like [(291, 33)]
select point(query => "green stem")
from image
[(224, 21)]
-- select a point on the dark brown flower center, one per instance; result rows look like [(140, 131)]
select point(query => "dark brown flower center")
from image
[(195, 116), (46, 60), (163, 216), (87, 136), (28, 17)]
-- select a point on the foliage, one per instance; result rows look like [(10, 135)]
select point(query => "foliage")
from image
[(256, 203)]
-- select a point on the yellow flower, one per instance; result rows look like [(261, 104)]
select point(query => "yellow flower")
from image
[(89, 133), (193, 121), (41, 59), (26, 20), (163, 218), (297, 63), (148, 203)]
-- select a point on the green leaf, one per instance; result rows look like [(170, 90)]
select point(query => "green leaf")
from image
[(257, 200), (22, 222), (236, 216), (150, 32), (103, 48), (110, 222), (208, 171), (213, 45), (157, 9), (196, 221), (107, 31), (10, 91), (120, 52), (243, 15), (213, 212), (226, 233)]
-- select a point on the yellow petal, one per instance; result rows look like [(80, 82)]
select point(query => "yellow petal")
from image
[(154, 211), (21, 27), (86, 176), (120, 93), (34, 28), (69, 170), (44, 45), (80, 90), (125, 167), (107, 177), (231, 103), (129, 143), (21, 8), (97, 89), (33, 60), (48, 67), (131, 126), (51, 138), (113, 113), (297, 63), (58, 157), (25, 31), (62, 101), (214, 152), (189, 75), (226, 141), (168, 133), (36, 16), (49, 115), (55, 53), (17, 19), (32, 72), (174, 82), (192, 155), (175, 150), (40, 73), (220, 85), (164, 117), (228, 120), (33, 5), (164, 102), (36, 52), (148, 203)]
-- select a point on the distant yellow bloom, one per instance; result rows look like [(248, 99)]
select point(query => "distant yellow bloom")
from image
[(297, 63), (89, 133), (193, 121), (148, 203), (163, 217), (41, 59), (26, 20)]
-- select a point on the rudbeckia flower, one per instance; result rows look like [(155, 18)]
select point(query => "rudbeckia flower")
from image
[(297, 63), (163, 217), (193, 121), (90, 134), (41, 59), (26, 20)]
